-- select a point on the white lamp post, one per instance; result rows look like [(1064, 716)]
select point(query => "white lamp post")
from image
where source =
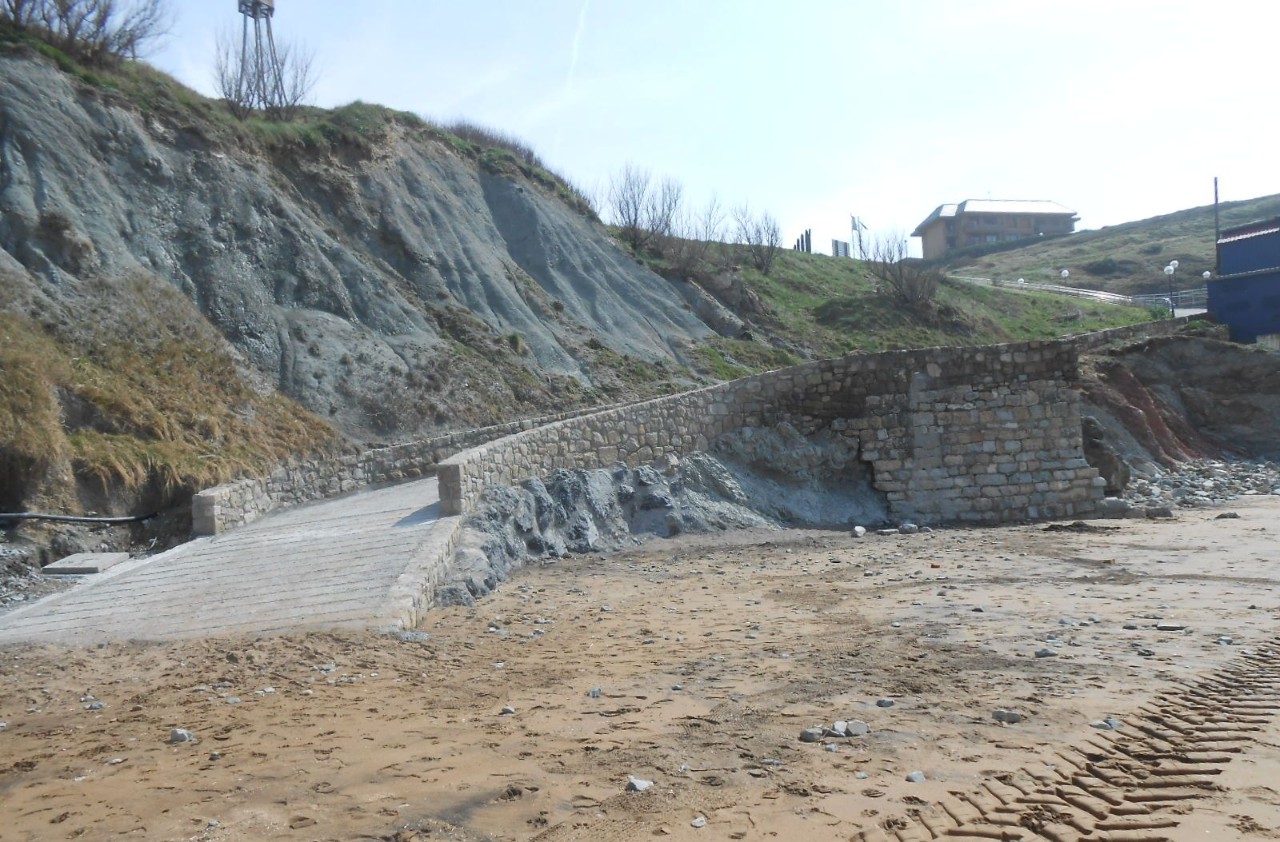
[(1169, 270)]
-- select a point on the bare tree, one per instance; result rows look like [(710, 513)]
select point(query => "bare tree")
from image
[(647, 213), (628, 196), (899, 276), (248, 87), (662, 209), (297, 77), (94, 31), (19, 14), (696, 242), (762, 235)]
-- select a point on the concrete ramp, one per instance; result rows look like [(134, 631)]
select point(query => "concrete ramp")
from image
[(339, 563)]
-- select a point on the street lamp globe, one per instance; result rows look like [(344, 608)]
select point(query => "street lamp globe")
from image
[(1169, 270), (1065, 274), (1207, 274)]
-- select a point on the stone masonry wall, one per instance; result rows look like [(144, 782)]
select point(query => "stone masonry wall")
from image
[(985, 434), (909, 428), (218, 509)]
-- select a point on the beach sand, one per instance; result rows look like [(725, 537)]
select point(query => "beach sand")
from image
[(695, 664)]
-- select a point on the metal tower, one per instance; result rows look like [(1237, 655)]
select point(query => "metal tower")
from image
[(261, 79)]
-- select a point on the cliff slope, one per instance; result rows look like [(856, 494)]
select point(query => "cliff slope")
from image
[(336, 270)]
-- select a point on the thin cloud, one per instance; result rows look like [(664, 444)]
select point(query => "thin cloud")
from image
[(574, 51), (577, 43)]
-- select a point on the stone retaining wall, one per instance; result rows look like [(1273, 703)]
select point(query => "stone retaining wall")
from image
[(216, 510), (867, 396), (985, 434)]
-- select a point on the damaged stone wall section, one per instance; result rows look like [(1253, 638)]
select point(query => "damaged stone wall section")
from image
[(976, 435)]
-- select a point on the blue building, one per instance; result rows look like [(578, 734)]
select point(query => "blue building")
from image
[(1245, 295)]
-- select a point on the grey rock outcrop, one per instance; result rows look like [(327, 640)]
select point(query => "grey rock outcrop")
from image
[(1103, 456), (768, 477)]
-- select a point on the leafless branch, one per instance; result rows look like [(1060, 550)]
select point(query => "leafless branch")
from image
[(762, 235), (899, 276), (94, 31)]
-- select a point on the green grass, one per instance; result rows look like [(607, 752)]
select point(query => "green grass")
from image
[(1128, 258), (729, 359), (832, 307)]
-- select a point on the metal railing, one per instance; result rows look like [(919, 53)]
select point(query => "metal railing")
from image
[(1198, 297)]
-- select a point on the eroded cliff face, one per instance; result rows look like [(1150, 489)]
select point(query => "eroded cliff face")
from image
[(1172, 399), (389, 289)]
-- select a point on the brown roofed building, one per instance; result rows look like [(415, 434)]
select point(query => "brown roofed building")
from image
[(976, 222)]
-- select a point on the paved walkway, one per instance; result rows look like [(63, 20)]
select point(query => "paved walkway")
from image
[(334, 563)]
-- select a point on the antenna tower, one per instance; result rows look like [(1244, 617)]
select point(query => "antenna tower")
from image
[(261, 79)]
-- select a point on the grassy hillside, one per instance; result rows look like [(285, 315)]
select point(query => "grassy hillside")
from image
[(1128, 258), (822, 306)]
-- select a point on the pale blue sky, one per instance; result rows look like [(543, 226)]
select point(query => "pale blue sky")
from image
[(814, 109)]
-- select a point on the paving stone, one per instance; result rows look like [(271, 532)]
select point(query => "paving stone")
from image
[(333, 564), (82, 564)]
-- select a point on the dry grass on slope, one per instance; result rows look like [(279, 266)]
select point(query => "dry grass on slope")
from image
[(140, 393)]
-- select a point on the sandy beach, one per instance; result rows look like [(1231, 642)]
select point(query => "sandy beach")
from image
[(1135, 663)]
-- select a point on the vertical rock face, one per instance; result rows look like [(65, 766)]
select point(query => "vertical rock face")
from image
[(333, 272), (1168, 400), (1103, 456)]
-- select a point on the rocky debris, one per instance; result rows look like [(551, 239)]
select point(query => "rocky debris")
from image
[(20, 579), (411, 636), (1201, 483), (1046, 652), (181, 735), (840, 729), (1115, 507), (812, 735), (699, 822), (635, 784), (916, 778), (1008, 717)]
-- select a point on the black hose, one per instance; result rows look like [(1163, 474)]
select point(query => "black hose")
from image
[(74, 519)]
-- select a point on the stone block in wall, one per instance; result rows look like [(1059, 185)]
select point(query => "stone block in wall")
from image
[(204, 513)]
